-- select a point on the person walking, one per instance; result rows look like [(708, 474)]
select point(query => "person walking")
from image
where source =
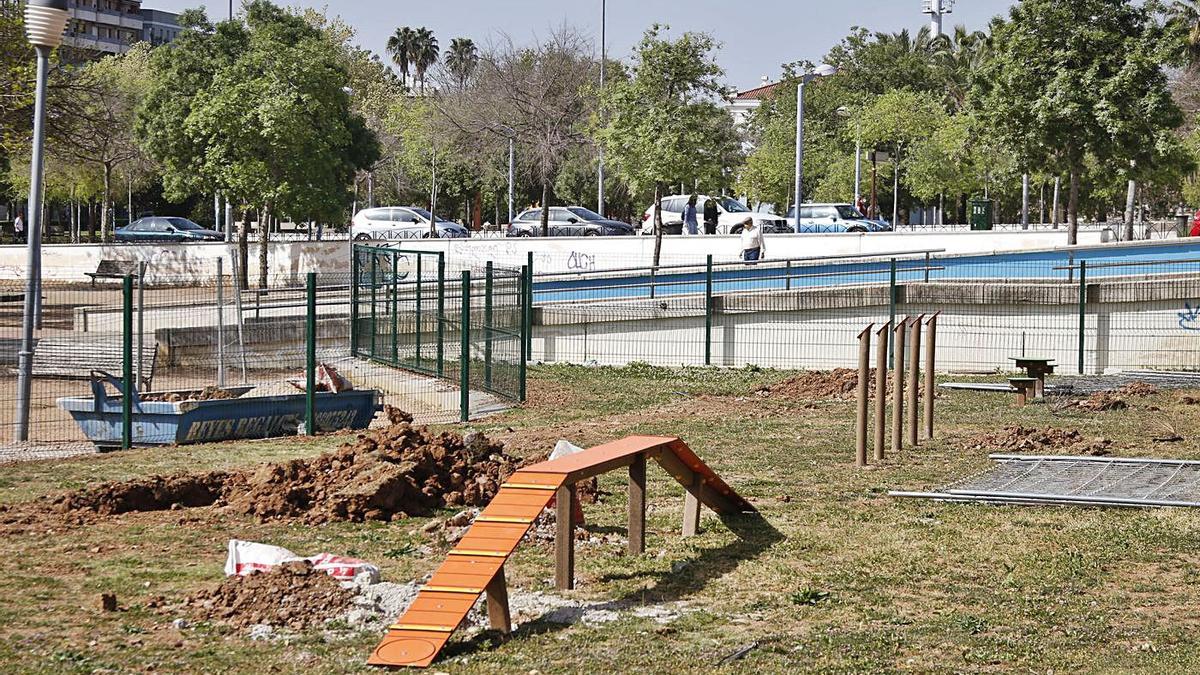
[(711, 214), (690, 225), (753, 248), (19, 228)]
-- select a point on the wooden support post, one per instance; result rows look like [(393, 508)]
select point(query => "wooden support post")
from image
[(564, 538), (881, 379), (930, 363), (691, 507), (864, 381), (637, 506), (898, 387), (497, 603), (914, 377)]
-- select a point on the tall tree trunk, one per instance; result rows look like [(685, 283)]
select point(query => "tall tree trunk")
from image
[(545, 209), (105, 211), (264, 239), (658, 224), (1054, 206), (244, 251), (91, 223), (1130, 197), (1073, 210)]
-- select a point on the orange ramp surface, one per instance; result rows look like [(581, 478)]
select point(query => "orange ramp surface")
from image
[(476, 563)]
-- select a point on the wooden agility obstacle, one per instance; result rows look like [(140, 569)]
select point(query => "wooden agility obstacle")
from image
[(476, 564), (907, 417)]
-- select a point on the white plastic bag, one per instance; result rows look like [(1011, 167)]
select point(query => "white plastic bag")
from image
[(247, 557)]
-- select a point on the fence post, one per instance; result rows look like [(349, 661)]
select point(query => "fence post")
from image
[(395, 310), (529, 316), (898, 386), (881, 380), (914, 378), (354, 281), (892, 314), (1082, 311), (708, 310), (524, 364), (464, 363), (930, 363), (127, 363), (927, 265), (864, 383), (787, 275), (487, 326), (653, 273), (417, 316), (441, 315), (374, 301), (221, 323), (141, 320), (310, 358)]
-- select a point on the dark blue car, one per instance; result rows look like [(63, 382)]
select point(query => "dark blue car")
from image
[(166, 228)]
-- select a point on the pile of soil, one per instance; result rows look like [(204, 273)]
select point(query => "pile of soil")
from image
[(292, 595), (1138, 389), (1027, 441), (384, 474), (839, 383), (209, 393), (1101, 402)]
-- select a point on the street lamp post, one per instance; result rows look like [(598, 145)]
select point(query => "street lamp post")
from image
[(45, 23), (511, 176), (847, 113), (603, 58), (823, 70)]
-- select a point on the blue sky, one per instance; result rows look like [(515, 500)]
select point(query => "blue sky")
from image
[(757, 35)]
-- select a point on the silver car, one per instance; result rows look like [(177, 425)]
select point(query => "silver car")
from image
[(401, 222), (568, 221)]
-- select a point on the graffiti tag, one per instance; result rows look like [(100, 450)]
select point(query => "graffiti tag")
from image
[(1189, 318), (581, 262)]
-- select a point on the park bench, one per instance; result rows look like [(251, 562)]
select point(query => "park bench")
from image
[(75, 357), (1037, 369), (114, 269), (1025, 387)]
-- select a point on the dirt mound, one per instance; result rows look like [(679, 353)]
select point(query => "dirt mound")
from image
[(383, 474), (292, 595), (209, 393), (1101, 402), (1138, 389), (1024, 440), (840, 384)]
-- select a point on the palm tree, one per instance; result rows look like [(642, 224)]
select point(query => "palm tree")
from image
[(400, 46), (958, 59), (1187, 14), (424, 53), (461, 59)]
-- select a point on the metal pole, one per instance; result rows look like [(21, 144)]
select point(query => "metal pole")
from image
[(228, 220), (216, 212), (914, 378), (241, 319), (892, 310), (354, 279), (127, 363), (881, 379), (1054, 208), (310, 358), (395, 310), (603, 58), (464, 363), (511, 178), (1082, 311), (33, 232), (1025, 201), (419, 318), (529, 315), (220, 322), (898, 387), (864, 381), (524, 313), (708, 310), (799, 196), (441, 315), (141, 313), (488, 286), (857, 171), (930, 363), (374, 302)]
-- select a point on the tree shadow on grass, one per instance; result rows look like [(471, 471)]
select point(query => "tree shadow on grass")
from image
[(754, 536)]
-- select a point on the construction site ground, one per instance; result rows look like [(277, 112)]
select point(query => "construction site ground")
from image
[(841, 578)]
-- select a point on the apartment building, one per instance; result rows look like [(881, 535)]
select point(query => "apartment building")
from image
[(111, 26)]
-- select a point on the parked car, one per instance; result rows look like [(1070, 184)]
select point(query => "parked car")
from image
[(401, 222), (567, 221), (731, 214), (166, 228), (817, 218)]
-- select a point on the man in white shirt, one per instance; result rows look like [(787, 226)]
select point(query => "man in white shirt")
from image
[(753, 248)]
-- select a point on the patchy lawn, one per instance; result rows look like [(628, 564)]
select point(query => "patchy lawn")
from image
[(840, 577)]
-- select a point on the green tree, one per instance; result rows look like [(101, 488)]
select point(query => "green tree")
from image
[(664, 125), (1073, 80), (898, 119)]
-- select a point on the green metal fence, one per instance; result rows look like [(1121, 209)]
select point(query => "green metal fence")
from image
[(410, 310)]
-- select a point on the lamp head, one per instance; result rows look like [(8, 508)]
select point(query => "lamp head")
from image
[(45, 22), (824, 70)]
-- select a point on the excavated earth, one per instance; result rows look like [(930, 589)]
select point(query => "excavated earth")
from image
[(292, 595), (1028, 441), (383, 474), (839, 383)]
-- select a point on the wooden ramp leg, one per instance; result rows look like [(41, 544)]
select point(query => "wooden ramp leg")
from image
[(497, 603), (637, 506), (564, 538), (691, 507)]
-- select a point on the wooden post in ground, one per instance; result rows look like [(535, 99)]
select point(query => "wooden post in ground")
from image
[(914, 377), (881, 379), (930, 362), (637, 506), (497, 603), (691, 507), (864, 381), (898, 387), (564, 538)]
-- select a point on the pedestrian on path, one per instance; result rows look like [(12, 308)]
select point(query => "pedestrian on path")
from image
[(711, 215), (753, 248), (689, 217), (19, 228)]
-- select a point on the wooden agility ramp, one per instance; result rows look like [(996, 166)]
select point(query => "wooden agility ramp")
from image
[(476, 565)]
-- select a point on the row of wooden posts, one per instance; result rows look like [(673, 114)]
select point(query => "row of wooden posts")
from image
[(906, 336)]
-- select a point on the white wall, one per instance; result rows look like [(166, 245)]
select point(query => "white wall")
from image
[(289, 262)]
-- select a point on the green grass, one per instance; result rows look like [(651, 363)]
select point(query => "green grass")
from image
[(836, 577)]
